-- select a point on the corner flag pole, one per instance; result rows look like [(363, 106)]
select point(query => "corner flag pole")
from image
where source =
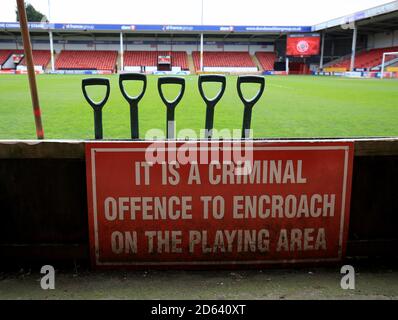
[(31, 71)]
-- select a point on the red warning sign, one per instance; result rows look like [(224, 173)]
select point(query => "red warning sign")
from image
[(217, 203)]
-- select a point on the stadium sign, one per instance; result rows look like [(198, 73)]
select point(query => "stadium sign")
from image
[(154, 28), (231, 203), (272, 29)]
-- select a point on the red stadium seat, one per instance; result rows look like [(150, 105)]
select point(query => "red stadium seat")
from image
[(40, 58), (233, 59), (5, 54), (267, 60), (364, 59), (86, 60), (150, 58)]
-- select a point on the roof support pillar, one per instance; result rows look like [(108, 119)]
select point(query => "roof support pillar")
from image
[(201, 52), (121, 52), (354, 46), (322, 50), (52, 51)]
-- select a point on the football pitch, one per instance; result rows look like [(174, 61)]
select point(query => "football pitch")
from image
[(293, 106)]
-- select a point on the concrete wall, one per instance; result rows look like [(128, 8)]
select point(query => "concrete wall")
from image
[(383, 40), (76, 42)]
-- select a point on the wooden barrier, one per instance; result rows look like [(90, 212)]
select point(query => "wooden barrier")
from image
[(43, 200)]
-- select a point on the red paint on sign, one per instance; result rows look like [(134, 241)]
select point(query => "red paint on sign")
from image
[(293, 206)]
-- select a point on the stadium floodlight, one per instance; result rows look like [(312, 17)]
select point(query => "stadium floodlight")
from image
[(171, 105), (384, 62), (211, 103), (97, 106), (249, 104), (133, 101)]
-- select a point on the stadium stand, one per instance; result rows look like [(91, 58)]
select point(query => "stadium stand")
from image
[(223, 59), (394, 65), (364, 59), (86, 60), (5, 54), (267, 60), (40, 58), (150, 58)]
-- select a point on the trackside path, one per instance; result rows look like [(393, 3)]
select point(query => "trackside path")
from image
[(315, 283)]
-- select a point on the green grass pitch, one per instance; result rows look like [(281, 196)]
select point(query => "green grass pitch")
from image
[(293, 106)]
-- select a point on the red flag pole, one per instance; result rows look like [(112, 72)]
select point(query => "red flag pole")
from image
[(31, 70)]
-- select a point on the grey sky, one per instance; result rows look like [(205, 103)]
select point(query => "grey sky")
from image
[(218, 12)]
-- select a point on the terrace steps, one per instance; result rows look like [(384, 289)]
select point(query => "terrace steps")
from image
[(191, 64), (257, 63)]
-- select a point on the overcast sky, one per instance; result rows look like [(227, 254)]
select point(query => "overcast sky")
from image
[(218, 12)]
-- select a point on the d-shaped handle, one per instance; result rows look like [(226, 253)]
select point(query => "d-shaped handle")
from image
[(247, 114), (133, 101), (171, 105), (211, 103), (132, 77), (250, 79), (96, 82), (212, 78), (97, 107), (171, 80)]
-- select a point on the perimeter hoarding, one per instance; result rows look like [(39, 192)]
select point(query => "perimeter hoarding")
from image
[(303, 44), (217, 204), (40, 26)]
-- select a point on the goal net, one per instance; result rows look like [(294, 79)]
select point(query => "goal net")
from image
[(389, 64)]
